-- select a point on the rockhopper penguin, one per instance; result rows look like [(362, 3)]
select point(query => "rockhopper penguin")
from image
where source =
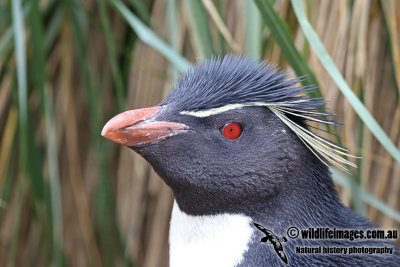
[(232, 142)]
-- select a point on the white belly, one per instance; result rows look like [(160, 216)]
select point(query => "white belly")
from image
[(218, 240)]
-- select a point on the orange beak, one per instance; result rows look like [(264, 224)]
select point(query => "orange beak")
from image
[(138, 127)]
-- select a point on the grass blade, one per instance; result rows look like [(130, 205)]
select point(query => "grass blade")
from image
[(20, 49), (364, 195), (173, 22), (200, 30), (253, 27), (116, 73), (281, 34), (333, 71), (19, 44), (39, 74), (29, 159), (141, 10), (55, 190), (212, 10), (150, 38), (6, 38)]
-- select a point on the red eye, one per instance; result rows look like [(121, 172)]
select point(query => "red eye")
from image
[(231, 130)]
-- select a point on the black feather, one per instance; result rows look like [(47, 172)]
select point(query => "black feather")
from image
[(240, 79)]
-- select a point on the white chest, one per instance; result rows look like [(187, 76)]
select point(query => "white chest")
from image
[(218, 240)]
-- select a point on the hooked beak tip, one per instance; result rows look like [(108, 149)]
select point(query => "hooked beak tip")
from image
[(105, 130)]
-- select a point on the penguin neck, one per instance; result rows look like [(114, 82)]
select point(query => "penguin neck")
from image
[(308, 198)]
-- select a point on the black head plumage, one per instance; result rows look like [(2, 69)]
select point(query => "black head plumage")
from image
[(235, 80)]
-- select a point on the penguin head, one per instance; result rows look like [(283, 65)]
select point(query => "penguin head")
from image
[(230, 133)]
